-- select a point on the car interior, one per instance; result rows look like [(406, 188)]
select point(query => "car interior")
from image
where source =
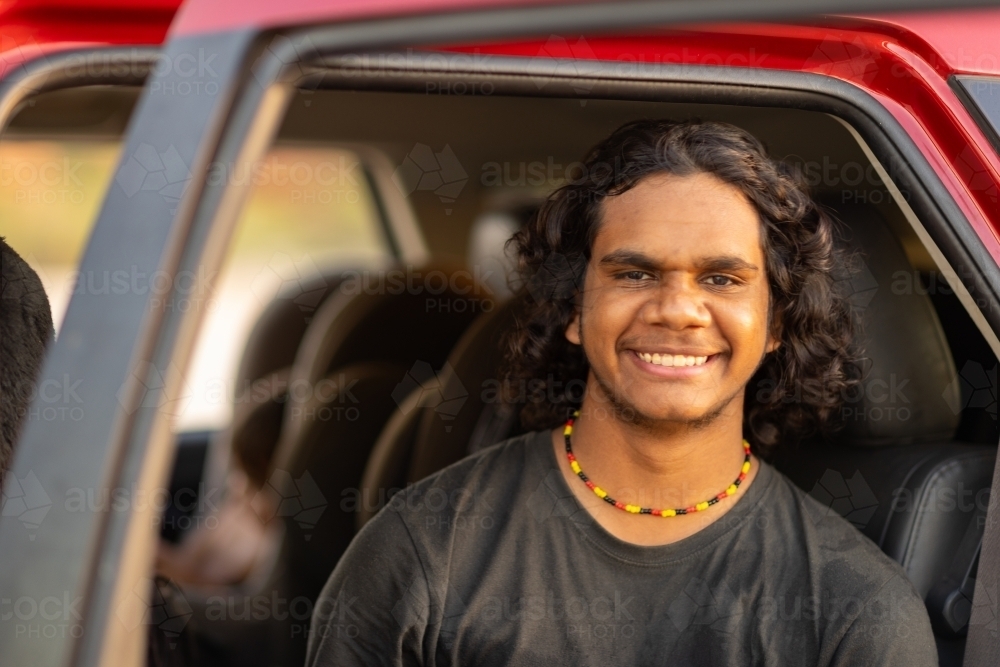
[(409, 376)]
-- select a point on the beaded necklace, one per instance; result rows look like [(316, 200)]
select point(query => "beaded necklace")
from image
[(635, 509)]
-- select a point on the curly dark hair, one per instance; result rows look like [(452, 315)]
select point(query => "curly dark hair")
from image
[(25, 332), (797, 387)]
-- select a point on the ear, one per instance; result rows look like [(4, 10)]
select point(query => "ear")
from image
[(773, 339), (573, 329)]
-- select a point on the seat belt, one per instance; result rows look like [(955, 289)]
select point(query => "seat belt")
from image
[(982, 648), (949, 602)]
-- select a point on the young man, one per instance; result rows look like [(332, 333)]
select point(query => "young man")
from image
[(683, 265)]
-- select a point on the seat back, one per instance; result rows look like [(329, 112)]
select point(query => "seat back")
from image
[(482, 419), (897, 473), (363, 353), (262, 374), (276, 336), (401, 315)]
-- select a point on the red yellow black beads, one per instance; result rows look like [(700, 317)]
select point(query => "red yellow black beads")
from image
[(635, 509)]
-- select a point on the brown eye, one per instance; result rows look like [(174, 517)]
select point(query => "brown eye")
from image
[(720, 281)]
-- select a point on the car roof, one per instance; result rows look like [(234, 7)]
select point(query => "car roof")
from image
[(960, 40)]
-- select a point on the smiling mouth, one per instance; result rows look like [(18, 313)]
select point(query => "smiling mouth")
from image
[(673, 360)]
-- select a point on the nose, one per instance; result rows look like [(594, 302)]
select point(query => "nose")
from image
[(678, 304)]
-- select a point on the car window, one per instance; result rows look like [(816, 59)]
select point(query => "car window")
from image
[(50, 191), (310, 211), (57, 157)]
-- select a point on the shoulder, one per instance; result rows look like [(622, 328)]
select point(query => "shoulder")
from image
[(492, 471), (484, 483), (820, 524)]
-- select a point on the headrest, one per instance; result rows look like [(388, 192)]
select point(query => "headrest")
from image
[(409, 316), (256, 424), (275, 337), (910, 382), (399, 314), (481, 420)]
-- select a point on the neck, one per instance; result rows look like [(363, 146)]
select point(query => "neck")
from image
[(665, 465)]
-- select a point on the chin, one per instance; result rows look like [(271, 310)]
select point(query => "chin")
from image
[(660, 413)]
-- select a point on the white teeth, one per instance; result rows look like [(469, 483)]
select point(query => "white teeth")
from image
[(672, 359)]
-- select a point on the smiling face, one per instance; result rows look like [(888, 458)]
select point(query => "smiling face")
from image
[(673, 314)]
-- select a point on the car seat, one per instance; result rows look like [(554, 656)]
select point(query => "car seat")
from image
[(263, 371), (420, 440), (366, 349)]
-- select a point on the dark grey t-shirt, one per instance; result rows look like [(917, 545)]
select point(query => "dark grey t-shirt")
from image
[(493, 561)]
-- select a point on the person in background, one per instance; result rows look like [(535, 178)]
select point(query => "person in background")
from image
[(25, 332)]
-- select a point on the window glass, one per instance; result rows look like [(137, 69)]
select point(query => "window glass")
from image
[(310, 211), (50, 193)]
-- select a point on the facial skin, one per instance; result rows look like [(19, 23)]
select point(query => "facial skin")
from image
[(676, 268)]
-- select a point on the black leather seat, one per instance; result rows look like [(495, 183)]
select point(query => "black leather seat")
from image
[(274, 339), (375, 316), (897, 452), (262, 375), (315, 486), (420, 440), (354, 367), (894, 468)]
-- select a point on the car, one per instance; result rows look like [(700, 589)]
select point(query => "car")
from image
[(272, 235)]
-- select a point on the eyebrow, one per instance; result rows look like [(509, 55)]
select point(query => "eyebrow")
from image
[(643, 261)]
